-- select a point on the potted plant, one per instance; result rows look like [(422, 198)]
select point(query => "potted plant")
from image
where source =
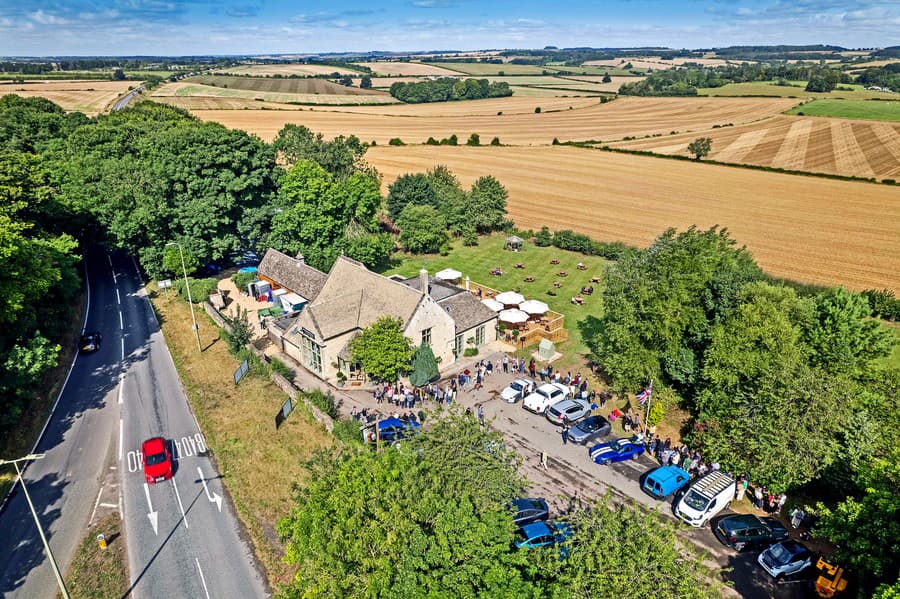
[(342, 378)]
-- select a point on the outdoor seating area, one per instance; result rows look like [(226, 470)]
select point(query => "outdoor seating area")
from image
[(523, 322)]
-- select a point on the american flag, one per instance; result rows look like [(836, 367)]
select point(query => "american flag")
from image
[(644, 395)]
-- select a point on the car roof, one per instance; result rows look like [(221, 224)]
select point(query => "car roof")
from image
[(773, 523), (523, 381), (739, 521), (154, 445), (524, 503), (793, 546), (567, 403), (536, 529)]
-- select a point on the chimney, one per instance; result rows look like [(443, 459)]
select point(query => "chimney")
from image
[(300, 259), (423, 281)]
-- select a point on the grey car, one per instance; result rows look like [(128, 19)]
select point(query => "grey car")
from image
[(589, 430)]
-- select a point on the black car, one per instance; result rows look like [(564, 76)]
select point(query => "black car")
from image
[(746, 531), (589, 430), (90, 343), (528, 511)]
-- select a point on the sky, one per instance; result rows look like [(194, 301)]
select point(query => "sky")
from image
[(193, 27)]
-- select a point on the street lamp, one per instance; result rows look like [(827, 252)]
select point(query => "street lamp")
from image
[(38, 456), (188, 285)]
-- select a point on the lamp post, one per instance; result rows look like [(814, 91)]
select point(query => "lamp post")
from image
[(38, 456), (187, 284)]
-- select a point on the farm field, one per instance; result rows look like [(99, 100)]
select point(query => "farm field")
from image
[(486, 107), (590, 83), (820, 145), (531, 91), (410, 69), (286, 70), (852, 109), (89, 97), (624, 117), (282, 86), (486, 68), (184, 89), (218, 103), (813, 230), (768, 88)]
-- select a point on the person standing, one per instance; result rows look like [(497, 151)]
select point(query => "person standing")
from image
[(531, 367), (742, 487), (505, 364), (565, 434)]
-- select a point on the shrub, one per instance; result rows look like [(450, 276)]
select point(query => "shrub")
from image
[(883, 303), (499, 113), (474, 140), (396, 141), (576, 242), (255, 365), (495, 141), (613, 250), (323, 401), (537, 109), (240, 334), (242, 279), (432, 142), (543, 238), (469, 238), (347, 431), (276, 365), (201, 289), (555, 141), (450, 141), (470, 351)]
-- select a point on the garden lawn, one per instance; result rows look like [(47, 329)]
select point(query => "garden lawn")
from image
[(874, 110), (476, 263)]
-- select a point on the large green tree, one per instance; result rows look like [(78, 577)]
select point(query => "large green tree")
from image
[(342, 156), (423, 229), (383, 350), (424, 366), (428, 519)]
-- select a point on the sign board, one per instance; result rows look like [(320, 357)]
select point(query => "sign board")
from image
[(241, 371), (282, 415), (165, 283)]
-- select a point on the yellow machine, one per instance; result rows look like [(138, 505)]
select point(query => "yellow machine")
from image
[(831, 581)]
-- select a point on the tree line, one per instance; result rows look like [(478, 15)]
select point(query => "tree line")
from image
[(787, 386), (448, 89)]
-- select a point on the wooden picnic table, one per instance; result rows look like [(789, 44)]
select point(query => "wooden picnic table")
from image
[(595, 279), (520, 265), (554, 261), (562, 273), (529, 279), (557, 284)]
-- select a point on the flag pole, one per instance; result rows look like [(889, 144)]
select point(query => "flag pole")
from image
[(647, 413)]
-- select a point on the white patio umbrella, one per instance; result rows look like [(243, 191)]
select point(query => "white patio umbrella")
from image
[(448, 274), (510, 298), (534, 307), (513, 316), (492, 304)]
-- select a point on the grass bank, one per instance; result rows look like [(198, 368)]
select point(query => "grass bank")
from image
[(259, 465), (872, 110), (96, 572)]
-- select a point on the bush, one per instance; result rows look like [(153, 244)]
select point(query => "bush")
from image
[(555, 141), (576, 242), (396, 141), (201, 289), (610, 250), (323, 401), (277, 366), (496, 142), (469, 238), (883, 303), (242, 279), (432, 142), (543, 238), (537, 109), (255, 365), (450, 141), (474, 140), (347, 431), (240, 334), (470, 351)]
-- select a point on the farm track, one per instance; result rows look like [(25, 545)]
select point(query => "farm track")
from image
[(816, 144), (807, 229)]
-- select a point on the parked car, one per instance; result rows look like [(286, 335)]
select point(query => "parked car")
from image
[(390, 430), (528, 511), (704, 498), (90, 342), (589, 429), (543, 534), (545, 396), (568, 410), (665, 480), (746, 531), (516, 390), (785, 558), (616, 451), (156, 459)]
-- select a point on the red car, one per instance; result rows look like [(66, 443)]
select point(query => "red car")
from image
[(157, 460)]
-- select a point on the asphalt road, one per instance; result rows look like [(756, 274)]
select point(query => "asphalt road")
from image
[(189, 542), (124, 100)]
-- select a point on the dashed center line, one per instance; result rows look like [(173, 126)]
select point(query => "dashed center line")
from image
[(202, 578), (181, 506)]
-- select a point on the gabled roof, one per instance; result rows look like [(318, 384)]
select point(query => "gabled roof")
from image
[(467, 311), (292, 274)]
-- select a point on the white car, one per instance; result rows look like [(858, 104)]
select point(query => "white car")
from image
[(516, 390), (545, 396), (568, 410)]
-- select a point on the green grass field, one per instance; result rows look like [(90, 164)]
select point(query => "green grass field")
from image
[(874, 110), (768, 88), (477, 262)]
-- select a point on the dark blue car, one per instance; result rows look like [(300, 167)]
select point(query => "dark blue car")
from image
[(616, 451), (390, 430), (543, 534)]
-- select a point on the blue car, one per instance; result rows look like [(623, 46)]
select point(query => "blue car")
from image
[(543, 534), (390, 430), (616, 451)]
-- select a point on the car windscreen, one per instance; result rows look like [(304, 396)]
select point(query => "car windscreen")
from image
[(553, 412), (696, 500), (589, 425), (779, 554), (156, 458), (515, 385)]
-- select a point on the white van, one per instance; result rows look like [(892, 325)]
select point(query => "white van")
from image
[(545, 396), (704, 498)]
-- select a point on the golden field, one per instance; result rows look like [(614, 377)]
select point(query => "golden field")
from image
[(803, 228), (89, 97), (815, 144), (286, 70), (187, 89), (630, 116), (412, 69)]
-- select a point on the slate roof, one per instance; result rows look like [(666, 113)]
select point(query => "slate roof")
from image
[(438, 289), (467, 311), (292, 274)]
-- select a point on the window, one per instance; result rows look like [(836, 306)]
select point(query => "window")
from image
[(479, 335), (311, 354), (458, 345), (426, 337)]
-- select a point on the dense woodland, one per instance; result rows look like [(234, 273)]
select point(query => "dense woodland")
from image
[(781, 383), (449, 89)]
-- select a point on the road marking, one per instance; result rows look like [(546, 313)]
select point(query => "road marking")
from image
[(108, 257), (154, 517), (202, 579), (123, 348), (118, 299), (108, 505), (121, 322), (96, 503), (215, 498), (121, 431), (180, 505), (121, 386)]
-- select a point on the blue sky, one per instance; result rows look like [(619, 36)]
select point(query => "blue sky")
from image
[(178, 27)]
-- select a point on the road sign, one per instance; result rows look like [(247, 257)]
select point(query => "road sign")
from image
[(165, 283), (241, 371)]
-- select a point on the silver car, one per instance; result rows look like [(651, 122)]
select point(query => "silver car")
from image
[(589, 430), (568, 410), (516, 390)]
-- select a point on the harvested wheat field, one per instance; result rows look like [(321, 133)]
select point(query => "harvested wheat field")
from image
[(89, 97), (807, 229), (486, 107), (611, 121), (187, 90), (286, 70), (282, 86), (216, 103), (821, 145), (411, 69)]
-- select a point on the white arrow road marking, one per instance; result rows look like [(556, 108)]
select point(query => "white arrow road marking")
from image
[(215, 497), (154, 517)]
